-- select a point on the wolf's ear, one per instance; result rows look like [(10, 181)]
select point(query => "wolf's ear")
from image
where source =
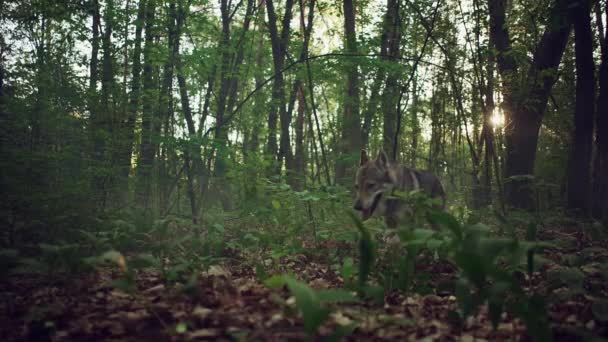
[(382, 159), (364, 157)]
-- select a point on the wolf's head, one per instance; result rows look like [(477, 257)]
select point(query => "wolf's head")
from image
[(372, 182)]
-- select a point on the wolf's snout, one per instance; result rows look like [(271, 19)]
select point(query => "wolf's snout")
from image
[(358, 205)]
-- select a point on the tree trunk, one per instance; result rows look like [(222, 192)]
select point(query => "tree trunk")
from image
[(125, 151), (260, 100), (93, 99), (279, 51), (146, 149), (107, 70), (391, 89), (299, 166), (93, 65), (295, 171), (229, 71), (415, 124), (350, 140), (579, 169), (193, 158), (524, 111), (488, 136), (379, 79), (166, 98), (601, 181)]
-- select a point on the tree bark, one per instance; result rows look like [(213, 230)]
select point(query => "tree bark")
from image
[(299, 162), (125, 151), (350, 139), (488, 136), (260, 100), (415, 124), (391, 89), (601, 181), (146, 149), (579, 169), (107, 70), (279, 51), (93, 99), (379, 79), (193, 158)]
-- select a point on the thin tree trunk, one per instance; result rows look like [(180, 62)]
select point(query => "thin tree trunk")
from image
[(300, 156), (415, 124), (166, 98), (601, 181), (231, 63), (379, 79), (146, 150), (279, 51), (318, 126), (127, 140), (391, 89), (296, 176), (93, 99), (192, 151), (350, 140), (260, 100), (579, 169), (93, 65)]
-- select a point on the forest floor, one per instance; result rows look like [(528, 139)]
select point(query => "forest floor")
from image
[(228, 302)]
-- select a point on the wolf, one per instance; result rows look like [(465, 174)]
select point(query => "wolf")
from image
[(376, 180)]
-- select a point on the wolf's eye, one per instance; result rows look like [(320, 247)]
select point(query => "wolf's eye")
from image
[(370, 185), (356, 187)]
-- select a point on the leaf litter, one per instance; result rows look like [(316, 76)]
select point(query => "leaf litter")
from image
[(229, 302)]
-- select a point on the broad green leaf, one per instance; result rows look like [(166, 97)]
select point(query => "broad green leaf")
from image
[(308, 303), (445, 220), (275, 282), (181, 328), (336, 295), (276, 204), (366, 251)]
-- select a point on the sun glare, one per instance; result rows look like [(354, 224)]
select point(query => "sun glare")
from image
[(497, 119)]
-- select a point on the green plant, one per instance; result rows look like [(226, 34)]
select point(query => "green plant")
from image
[(487, 273), (312, 304)]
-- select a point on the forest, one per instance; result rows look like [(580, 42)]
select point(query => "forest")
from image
[(272, 170)]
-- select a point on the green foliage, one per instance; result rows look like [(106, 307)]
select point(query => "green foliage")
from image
[(366, 251), (488, 266), (311, 303)]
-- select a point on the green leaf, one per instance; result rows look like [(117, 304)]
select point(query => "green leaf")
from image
[(308, 303), (366, 250), (445, 220), (181, 328), (336, 295), (348, 269), (112, 256), (142, 261), (275, 282), (276, 204), (531, 231), (125, 285)]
